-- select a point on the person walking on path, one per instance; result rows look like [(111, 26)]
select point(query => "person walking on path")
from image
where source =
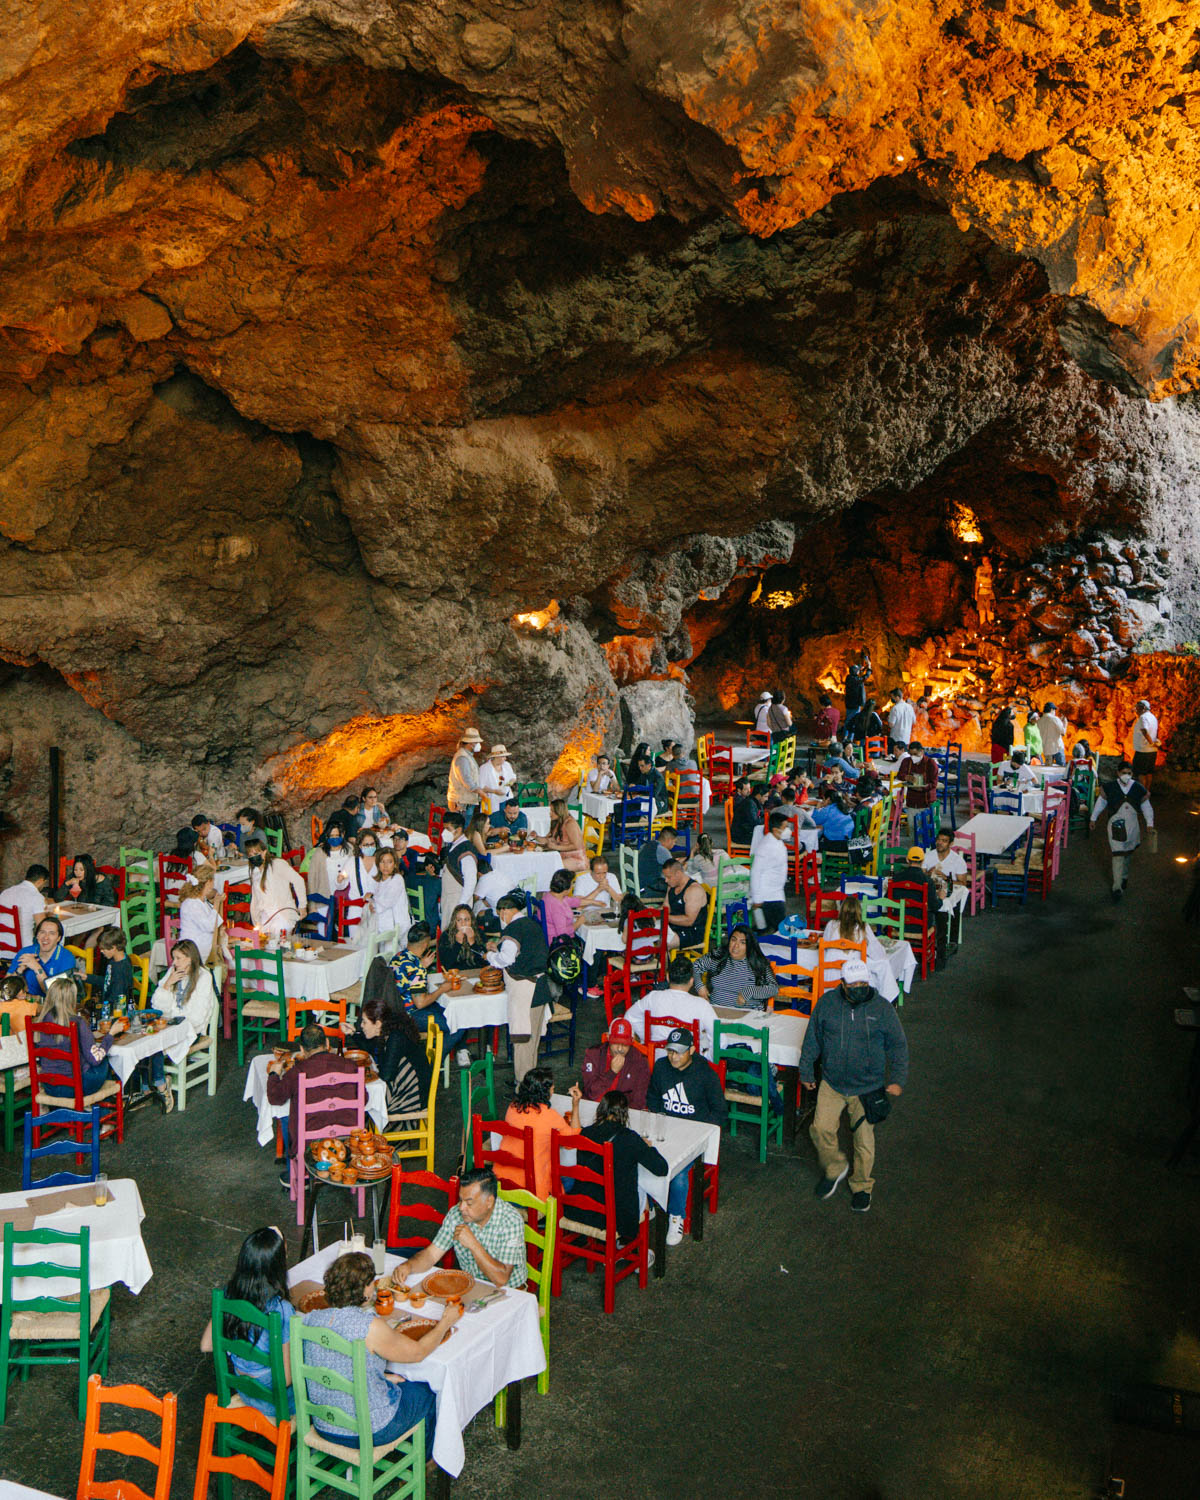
[(1145, 743), (1128, 801), (857, 1037)]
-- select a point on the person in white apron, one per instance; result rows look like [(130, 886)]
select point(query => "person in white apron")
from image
[(522, 953), (1127, 802)]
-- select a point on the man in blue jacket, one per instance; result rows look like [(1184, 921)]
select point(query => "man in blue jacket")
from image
[(861, 1045)]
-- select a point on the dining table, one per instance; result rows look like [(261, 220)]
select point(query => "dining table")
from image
[(598, 806), (231, 872), (681, 1142), (508, 870), (81, 917), (487, 1351), (255, 1093), (786, 1030), (471, 1007), (997, 833), (117, 1251), (748, 755)]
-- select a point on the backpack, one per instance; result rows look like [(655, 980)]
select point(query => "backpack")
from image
[(565, 960)]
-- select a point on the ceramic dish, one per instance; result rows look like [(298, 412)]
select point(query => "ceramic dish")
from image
[(447, 1284)]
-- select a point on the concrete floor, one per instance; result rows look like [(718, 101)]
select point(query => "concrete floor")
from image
[(1026, 1255)]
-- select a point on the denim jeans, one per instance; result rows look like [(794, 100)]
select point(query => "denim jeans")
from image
[(454, 1039), (417, 1403), (677, 1193), (155, 1067)]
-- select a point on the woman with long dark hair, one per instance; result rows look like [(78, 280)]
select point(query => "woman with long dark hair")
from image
[(332, 856), (261, 1279), (738, 972), (1004, 732), (531, 1108), (461, 945), (397, 1048), (84, 884), (630, 1152), (277, 893)]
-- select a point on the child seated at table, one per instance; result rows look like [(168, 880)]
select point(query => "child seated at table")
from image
[(16, 1004), (116, 983)]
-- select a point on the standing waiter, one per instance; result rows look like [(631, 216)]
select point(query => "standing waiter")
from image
[(1127, 800), (522, 953)]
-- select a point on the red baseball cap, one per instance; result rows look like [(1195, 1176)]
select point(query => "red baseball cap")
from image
[(620, 1030)]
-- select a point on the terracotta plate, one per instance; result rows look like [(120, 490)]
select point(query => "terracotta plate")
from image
[(443, 1284)]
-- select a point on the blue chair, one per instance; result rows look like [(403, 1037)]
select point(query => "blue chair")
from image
[(232, 833), (634, 816), (558, 1039), (536, 908), (1006, 802), (62, 1145), (924, 828), (319, 923), (1011, 877), (778, 949), (735, 912)]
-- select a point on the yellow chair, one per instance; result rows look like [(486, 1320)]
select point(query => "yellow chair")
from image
[(141, 967), (593, 835), (876, 828), (546, 1213), (694, 953), (415, 1136)]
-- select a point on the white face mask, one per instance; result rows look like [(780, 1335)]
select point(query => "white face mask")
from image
[(1124, 782)]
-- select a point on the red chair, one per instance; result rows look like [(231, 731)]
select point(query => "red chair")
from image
[(54, 1058), (665, 1024), (736, 850), (348, 914), (758, 739), (1043, 862), (320, 1099), (896, 819), (810, 883), (129, 1444), (512, 1158), (824, 906), (241, 1465), (616, 995), (10, 931), (417, 1212), (832, 953), (173, 874), (645, 960), (295, 858), (919, 930), (434, 826), (237, 904), (595, 1245), (170, 930), (720, 770)]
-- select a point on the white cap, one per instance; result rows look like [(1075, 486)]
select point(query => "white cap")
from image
[(854, 971), (765, 697)]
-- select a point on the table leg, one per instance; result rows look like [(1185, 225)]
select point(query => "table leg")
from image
[(312, 1187), (789, 1082), (697, 1201), (660, 1241), (512, 1424)]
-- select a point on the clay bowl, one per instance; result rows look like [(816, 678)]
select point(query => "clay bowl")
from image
[(447, 1286), (359, 1058), (336, 1173), (311, 1301), (349, 1174)]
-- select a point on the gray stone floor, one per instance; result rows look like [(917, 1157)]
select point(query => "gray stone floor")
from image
[(1026, 1255)]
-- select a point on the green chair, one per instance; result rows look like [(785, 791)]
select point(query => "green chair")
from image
[(140, 881), (18, 1093), (627, 870), (416, 902), (542, 1241), (137, 922), (532, 793), (478, 1098), (886, 919), (258, 994), (234, 1389), (733, 884), (835, 863), (274, 838), (747, 1080), (51, 1322), (395, 1470)]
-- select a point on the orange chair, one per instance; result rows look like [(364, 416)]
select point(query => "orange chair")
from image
[(797, 989), (131, 1444), (876, 745), (241, 1465), (313, 1010), (315, 828), (735, 850), (832, 953), (236, 903)]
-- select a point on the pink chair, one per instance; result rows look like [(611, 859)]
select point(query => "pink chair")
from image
[(1056, 800), (899, 794), (237, 936), (319, 1099), (977, 794), (10, 931), (976, 878), (170, 931)]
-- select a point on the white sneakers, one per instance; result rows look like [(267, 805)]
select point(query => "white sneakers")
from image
[(675, 1229), (463, 1058)]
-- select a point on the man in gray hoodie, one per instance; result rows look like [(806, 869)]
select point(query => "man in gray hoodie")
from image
[(861, 1045)]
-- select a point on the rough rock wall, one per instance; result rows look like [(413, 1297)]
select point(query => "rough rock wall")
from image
[(334, 336)]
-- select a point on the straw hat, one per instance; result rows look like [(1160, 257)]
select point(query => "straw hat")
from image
[(471, 737), (498, 750)]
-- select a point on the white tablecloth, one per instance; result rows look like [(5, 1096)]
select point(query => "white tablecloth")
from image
[(486, 1351), (748, 755), (237, 874), (173, 1041), (598, 807), (996, 833), (810, 839), (508, 869), (318, 978), (785, 1032), (900, 964), (14, 1053), (256, 1092), (10, 1491), (76, 923), (466, 1011), (684, 1141), (117, 1252), (600, 939)]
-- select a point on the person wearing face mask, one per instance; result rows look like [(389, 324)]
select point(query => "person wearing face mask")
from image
[(331, 858), (361, 882), (857, 1037), (460, 866), (1127, 801), (277, 894)]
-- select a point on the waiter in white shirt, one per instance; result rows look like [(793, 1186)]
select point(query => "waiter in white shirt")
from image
[(497, 780), (29, 898), (768, 876), (902, 719), (1145, 743)]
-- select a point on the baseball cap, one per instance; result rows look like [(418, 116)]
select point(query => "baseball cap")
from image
[(764, 697), (854, 971), (680, 1040), (619, 1030), (916, 855)]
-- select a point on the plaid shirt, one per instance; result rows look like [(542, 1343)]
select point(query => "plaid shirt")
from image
[(503, 1237)]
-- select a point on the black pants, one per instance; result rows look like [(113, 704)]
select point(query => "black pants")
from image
[(773, 913)]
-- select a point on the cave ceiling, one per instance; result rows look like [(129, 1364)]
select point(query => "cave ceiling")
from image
[(333, 334)]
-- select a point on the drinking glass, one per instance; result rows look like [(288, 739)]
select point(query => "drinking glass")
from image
[(660, 1129), (101, 1186), (379, 1256)]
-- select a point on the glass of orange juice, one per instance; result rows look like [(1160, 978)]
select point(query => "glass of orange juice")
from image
[(101, 1189)]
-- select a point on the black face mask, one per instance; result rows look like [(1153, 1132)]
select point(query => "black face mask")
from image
[(858, 994), (255, 861)]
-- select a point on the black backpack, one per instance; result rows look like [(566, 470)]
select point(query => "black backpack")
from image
[(565, 960)]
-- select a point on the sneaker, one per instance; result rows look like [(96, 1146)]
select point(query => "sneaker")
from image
[(675, 1229), (649, 1259), (167, 1095), (827, 1186), (463, 1058), (860, 1202)]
